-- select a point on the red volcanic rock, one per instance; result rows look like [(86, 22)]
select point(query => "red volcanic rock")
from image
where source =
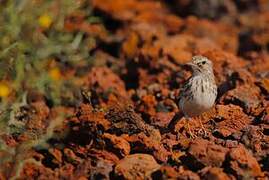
[(136, 166), (207, 153), (247, 96), (162, 119), (243, 164), (103, 155), (139, 12), (125, 120), (105, 79), (232, 119), (71, 156), (118, 144), (57, 155), (166, 172), (142, 143), (185, 174), (38, 116), (214, 173), (86, 114), (37, 171), (221, 34)]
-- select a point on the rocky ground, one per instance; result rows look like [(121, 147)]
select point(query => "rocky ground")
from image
[(119, 130)]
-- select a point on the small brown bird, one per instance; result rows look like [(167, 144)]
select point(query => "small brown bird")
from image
[(199, 93)]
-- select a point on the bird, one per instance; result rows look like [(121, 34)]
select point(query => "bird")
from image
[(199, 92)]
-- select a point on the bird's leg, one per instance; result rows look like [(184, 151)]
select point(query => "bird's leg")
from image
[(203, 128), (192, 136)]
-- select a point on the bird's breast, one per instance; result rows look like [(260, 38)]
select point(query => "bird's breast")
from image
[(200, 98)]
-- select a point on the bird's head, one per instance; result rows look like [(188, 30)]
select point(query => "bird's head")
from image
[(200, 64)]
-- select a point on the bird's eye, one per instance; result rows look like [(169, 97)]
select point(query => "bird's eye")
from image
[(203, 62)]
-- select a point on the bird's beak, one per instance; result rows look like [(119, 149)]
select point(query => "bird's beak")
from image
[(190, 64)]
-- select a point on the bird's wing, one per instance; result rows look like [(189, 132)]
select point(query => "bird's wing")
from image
[(185, 89)]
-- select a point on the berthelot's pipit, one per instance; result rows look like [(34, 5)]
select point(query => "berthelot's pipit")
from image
[(199, 92)]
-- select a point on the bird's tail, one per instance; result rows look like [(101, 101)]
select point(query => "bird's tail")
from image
[(173, 122)]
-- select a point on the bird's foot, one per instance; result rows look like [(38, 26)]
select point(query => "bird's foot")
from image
[(203, 131), (192, 135)]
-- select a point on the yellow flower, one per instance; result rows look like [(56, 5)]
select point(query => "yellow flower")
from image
[(45, 21), (4, 89), (55, 73)]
